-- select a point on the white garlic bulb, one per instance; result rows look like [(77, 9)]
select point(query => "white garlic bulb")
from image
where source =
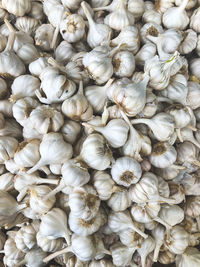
[(147, 247), (96, 153), (46, 119), (162, 125), (84, 202), (25, 238), (27, 24), (176, 17), (121, 255), (54, 225), (36, 67), (103, 184), (194, 67), (194, 21), (8, 146), (17, 7), (126, 171), (48, 245), (77, 107), (72, 28), (190, 256), (189, 42), (163, 155), (120, 199), (53, 149), (146, 52), (43, 36), (136, 7), (70, 131), (124, 64), (64, 52)]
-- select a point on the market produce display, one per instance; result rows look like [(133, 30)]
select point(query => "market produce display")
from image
[(99, 133)]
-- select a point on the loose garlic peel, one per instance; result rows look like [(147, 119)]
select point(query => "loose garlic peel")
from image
[(106, 174)]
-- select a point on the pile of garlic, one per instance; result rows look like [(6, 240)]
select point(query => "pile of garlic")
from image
[(99, 133)]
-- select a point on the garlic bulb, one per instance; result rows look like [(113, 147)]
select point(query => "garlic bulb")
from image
[(136, 7), (48, 245), (98, 33), (162, 125), (36, 67), (163, 155), (77, 107), (121, 255), (147, 247), (53, 149), (119, 221), (190, 256), (8, 146), (194, 67), (27, 153), (9, 211), (130, 96), (146, 52), (43, 36), (179, 240), (194, 21), (119, 200), (192, 208), (176, 17), (152, 16), (17, 7), (72, 28), (103, 184), (46, 119), (166, 257), (70, 131), (25, 238), (64, 52), (96, 153), (63, 88), (130, 238), (124, 64), (27, 24), (128, 35), (6, 181), (85, 227), (192, 96), (126, 171), (115, 132), (150, 29), (84, 202), (54, 225), (72, 5), (189, 42)]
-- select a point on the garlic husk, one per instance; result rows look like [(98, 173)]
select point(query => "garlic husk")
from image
[(98, 33), (162, 125), (53, 149), (96, 153), (54, 225), (126, 171)]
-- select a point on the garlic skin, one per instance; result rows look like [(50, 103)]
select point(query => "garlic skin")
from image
[(150, 29), (180, 19), (126, 171), (3, 42), (179, 240), (70, 131), (103, 184), (130, 238), (24, 86), (163, 155), (124, 64), (152, 16), (146, 52), (96, 153), (48, 245), (136, 7), (147, 247), (43, 36), (128, 35), (194, 21), (3, 89), (190, 256), (54, 225), (17, 7), (193, 94), (98, 33), (84, 202), (72, 28), (36, 67), (121, 255), (46, 119), (64, 52), (27, 153), (166, 257), (6, 181), (53, 149), (77, 107)]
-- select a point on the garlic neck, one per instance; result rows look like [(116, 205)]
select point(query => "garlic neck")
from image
[(88, 15), (183, 5)]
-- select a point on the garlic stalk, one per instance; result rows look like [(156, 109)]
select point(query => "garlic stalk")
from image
[(186, 134), (159, 236), (98, 33), (162, 125), (53, 150), (147, 247)]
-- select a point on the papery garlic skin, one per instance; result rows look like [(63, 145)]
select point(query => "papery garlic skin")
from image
[(126, 171)]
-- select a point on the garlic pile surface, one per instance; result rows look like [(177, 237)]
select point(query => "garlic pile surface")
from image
[(100, 133)]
